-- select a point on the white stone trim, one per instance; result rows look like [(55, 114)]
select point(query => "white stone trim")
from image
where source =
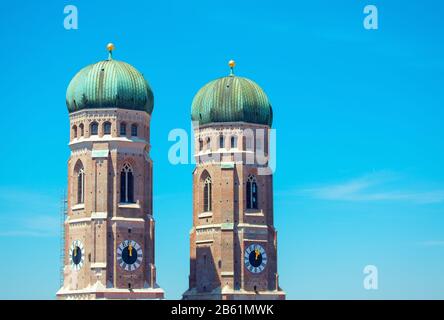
[(129, 205), (79, 206), (204, 241), (247, 225), (79, 220), (227, 274), (238, 226), (99, 215), (254, 213), (107, 138), (208, 226), (127, 219), (205, 215), (98, 265)]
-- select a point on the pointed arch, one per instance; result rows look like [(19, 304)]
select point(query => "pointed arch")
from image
[(252, 192), (233, 142), (94, 128), (207, 191), (123, 129), (79, 174), (134, 130), (82, 129), (127, 183), (74, 132), (221, 141), (107, 128)]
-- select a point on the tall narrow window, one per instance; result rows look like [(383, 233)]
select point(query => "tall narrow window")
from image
[(94, 129), (107, 128), (249, 143), (252, 201), (200, 144), (208, 143), (221, 142), (134, 130), (80, 172), (127, 184), (233, 142), (82, 131), (123, 129), (207, 194), (74, 131)]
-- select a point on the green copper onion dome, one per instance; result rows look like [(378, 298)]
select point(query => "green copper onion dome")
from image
[(109, 84), (231, 99)]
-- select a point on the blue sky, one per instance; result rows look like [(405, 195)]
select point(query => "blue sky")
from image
[(358, 117)]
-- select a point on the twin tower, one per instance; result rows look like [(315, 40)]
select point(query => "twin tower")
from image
[(109, 228)]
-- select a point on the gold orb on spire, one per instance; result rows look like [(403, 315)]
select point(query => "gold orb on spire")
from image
[(232, 63), (110, 46)]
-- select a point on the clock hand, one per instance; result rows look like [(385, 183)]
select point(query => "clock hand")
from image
[(75, 252), (130, 249), (256, 253)]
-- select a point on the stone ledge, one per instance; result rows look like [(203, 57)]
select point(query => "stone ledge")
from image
[(122, 205), (205, 215), (79, 206)]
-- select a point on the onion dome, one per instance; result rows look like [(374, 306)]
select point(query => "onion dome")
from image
[(231, 99), (109, 84)]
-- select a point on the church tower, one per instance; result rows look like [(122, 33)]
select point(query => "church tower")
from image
[(233, 243), (109, 229)]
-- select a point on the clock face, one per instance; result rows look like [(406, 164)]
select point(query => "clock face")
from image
[(255, 258), (76, 254), (129, 255)]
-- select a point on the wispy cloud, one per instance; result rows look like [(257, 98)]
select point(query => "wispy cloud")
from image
[(28, 213), (375, 186), (21, 225), (433, 243)]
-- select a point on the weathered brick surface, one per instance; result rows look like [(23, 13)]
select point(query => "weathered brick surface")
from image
[(103, 223), (219, 238)]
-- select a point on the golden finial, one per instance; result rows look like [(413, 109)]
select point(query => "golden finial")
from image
[(232, 64), (110, 46)]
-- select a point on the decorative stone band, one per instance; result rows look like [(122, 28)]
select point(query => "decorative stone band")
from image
[(99, 153), (103, 216), (84, 142), (99, 215), (227, 273), (208, 241), (109, 114), (205, 215)]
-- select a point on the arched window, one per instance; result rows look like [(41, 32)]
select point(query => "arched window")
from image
[(127, 184), (221, 141), (207, 194), (134, 130), (74, 131), (252, 201), (123, 129), (107, 128), (82, 131), (80, 173), (200, 144), (233, 142), (94, 129), (208, 143)]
